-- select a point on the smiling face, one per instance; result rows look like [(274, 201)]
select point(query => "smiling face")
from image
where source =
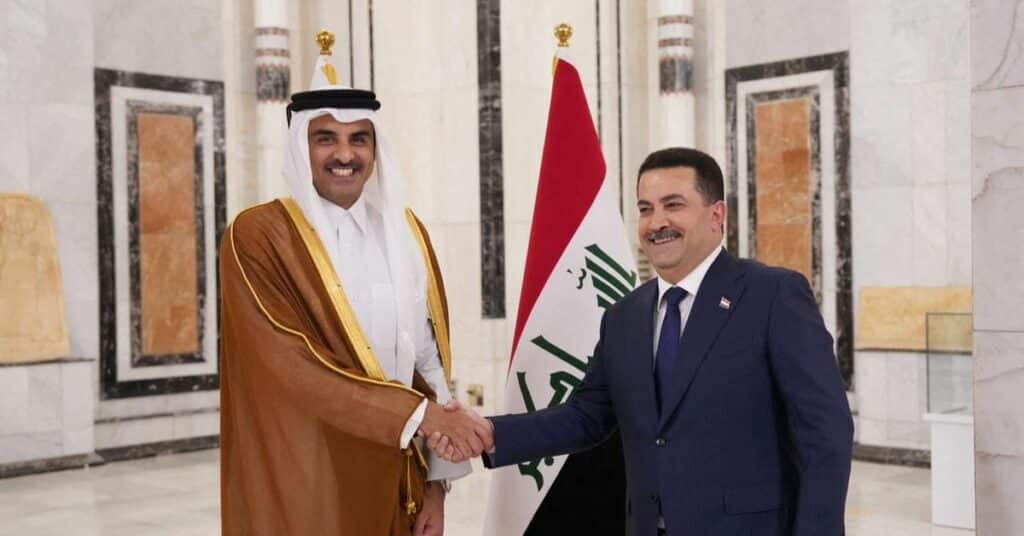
[(678, 228), (341, 157)]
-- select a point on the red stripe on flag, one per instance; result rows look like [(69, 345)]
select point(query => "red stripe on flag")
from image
[(572, 170)]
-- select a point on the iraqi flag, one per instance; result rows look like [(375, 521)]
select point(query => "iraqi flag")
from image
[(578, 264)]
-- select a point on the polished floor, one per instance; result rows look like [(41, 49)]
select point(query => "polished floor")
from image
[(178, 495)]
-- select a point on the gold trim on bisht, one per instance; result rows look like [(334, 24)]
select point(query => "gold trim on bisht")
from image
[(363, 351), (326, 40), (282, 327), (331, 281), (435, 302)]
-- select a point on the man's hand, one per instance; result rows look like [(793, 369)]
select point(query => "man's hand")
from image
[(465, 432), (430, 520), (445, 447)]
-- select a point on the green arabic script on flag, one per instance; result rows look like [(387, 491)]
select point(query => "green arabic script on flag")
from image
[(610, 283)]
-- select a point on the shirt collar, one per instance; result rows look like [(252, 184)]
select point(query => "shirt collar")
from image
[(690, 283), (357, 213)]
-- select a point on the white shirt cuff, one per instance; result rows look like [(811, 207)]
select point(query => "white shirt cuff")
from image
[(443, 470), (412, 425)]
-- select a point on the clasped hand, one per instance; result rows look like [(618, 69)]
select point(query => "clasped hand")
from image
[(456, 433)]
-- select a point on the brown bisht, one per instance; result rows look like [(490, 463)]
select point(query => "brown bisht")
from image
[(309, 424)]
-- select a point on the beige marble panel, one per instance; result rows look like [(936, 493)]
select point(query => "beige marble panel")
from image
[(894, 318), (31, 293), (167, 224), (784, 215)]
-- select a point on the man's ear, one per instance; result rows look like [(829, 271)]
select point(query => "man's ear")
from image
[(718, 213)]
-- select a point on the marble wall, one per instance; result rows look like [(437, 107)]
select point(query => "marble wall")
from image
[(788, 178), (802, 70), (997, 186), (48, 117), (910, 183), (240, 106), (909, 81), (197, 33), (160, 193), (47, 141), (908, 159), (46, 411), (47, 144)]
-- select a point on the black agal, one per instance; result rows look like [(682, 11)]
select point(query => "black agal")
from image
[(332, 98)]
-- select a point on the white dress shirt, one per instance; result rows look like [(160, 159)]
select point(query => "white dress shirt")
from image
[(361, 264), (363, 269), (691, 284)]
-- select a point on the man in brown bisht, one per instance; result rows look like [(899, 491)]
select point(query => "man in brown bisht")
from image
[(335, 341)]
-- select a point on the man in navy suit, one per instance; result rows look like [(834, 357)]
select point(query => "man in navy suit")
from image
[(719, 374)]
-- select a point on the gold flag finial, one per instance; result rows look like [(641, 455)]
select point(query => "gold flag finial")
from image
[(563, 32), (326, 40)]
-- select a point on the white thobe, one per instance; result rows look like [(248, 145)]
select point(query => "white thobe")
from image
[(360, 260)]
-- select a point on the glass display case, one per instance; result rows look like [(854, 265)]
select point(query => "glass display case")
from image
[(950, 343), (950, 378)]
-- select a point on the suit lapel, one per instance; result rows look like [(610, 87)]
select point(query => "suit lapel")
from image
[(707, 318), (642, 339)]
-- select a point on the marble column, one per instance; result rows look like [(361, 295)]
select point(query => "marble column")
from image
[(672, 99), (997, 150), (272, 89)]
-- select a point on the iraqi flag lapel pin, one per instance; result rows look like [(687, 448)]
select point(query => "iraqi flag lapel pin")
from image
[(724, 303)]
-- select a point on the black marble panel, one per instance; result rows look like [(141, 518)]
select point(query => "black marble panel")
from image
[(133, 108), (47, 362), (675, 74), (492, 202), (351, 49), (892, 455), (838, 64), (273, 82), (147, 450), (63, 463), (104, 456), (104, 81), (369, 23)]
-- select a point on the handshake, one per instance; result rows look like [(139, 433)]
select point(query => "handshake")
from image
[(456, 433)]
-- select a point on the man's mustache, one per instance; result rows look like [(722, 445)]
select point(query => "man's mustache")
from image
[(355, 165), (661, 234)]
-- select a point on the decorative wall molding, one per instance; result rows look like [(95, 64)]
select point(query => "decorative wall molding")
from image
[(824, 81), (121, 99)]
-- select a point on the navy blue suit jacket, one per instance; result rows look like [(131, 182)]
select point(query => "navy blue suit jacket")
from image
[(756, 434)]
